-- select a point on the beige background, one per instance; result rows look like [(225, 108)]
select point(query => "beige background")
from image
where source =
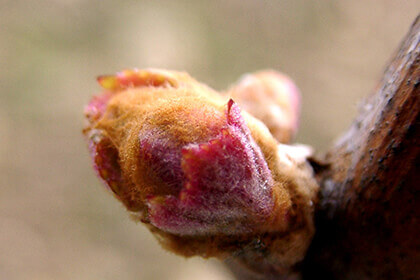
[(56, 220)]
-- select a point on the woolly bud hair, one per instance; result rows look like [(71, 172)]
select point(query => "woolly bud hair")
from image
[(205, 176)]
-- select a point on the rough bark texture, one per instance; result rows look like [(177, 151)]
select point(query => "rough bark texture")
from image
[(367, 220)]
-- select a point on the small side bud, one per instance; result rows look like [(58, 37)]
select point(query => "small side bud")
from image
[(271, 97)]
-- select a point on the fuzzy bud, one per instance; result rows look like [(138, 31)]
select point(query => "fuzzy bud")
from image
[(271, 97), (204, 176)]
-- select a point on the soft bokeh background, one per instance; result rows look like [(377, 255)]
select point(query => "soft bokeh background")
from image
[(56, 220)]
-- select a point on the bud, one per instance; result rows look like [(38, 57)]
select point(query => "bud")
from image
[(271, 97), (204, 176)]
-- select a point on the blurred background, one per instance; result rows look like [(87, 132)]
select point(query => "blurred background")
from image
[(56, 219)]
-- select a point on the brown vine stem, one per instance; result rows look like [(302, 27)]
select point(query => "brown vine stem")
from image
[(368, 216)]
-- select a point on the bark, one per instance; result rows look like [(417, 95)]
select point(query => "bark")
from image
[(367, 219)]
